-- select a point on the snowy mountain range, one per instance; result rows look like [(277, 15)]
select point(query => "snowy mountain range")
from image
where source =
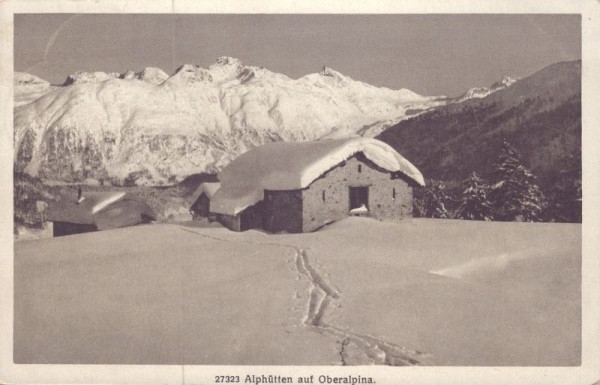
[(148, 127)]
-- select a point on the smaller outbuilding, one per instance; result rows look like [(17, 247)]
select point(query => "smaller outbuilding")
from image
[(94, 211), (201, 200)]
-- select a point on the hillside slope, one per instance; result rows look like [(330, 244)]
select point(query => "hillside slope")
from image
[(540, 115)]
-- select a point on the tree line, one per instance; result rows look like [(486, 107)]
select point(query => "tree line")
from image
[(510, 194)]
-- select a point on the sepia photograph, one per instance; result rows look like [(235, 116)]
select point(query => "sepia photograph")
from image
[(315, 190)]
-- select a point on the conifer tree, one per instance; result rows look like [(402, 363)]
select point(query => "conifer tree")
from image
[(474, 204), (431, 201), (515, 196), (565, 195)]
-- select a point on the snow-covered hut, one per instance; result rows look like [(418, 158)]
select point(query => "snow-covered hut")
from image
[(201, 199), (301, 186), (94, 211)]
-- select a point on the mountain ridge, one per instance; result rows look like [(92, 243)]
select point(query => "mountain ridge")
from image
[(481, 92), (539, 114), (148, 127), (156, 129)]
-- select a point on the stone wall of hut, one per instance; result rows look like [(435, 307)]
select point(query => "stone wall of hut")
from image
[(327, 199), (282, 211), (250, 218)]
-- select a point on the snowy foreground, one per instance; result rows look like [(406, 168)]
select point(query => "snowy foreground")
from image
[(431, 292)]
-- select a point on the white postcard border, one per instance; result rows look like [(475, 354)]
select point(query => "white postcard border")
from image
[(587, 373)]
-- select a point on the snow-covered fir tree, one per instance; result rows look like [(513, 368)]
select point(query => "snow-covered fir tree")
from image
[(565, 195), (474, 203), (431, 200), (515, 196)]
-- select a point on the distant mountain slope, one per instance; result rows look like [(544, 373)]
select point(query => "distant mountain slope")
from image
[(29, 88), (540, 115), (151, 128), (481, 92), (377, 128)]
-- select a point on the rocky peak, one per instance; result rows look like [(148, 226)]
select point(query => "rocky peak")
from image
[(152, 75), (225, 68), (246, 74), (192, 74), (504, 82), (25, 79), (334, 78), (326, 71), (482, 92), (88, 77), (227, 60), (189, 68), (127, 75)]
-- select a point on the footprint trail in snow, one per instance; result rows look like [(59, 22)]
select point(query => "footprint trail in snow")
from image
[(378, 351), (321, 293)]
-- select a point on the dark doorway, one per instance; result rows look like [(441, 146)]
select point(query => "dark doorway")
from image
[(359, 196)]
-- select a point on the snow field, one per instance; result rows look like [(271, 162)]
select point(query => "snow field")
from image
[(161, 294), (428, 292), (519, 306)]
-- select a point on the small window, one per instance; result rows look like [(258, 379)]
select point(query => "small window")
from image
[(323, 195), (359, 168), (394, 193)]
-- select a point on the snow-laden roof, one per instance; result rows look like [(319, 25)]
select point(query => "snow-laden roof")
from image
[(208, 188), (90, 209), (295, 165), (83, 212), (104, 200)]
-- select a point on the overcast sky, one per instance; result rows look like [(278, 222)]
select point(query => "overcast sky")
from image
[(429, 54)]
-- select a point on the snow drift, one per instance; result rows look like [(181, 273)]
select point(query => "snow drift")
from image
[(488, 265), (291, 166)]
